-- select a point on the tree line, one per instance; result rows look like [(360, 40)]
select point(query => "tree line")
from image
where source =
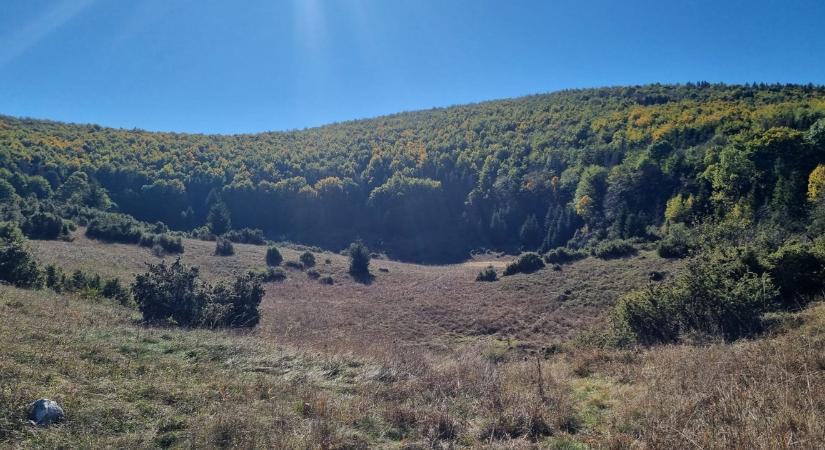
[(570, 168)]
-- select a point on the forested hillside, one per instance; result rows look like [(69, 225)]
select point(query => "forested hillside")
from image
[(568, 168)]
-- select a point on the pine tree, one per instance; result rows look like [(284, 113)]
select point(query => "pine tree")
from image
[(530, 233), (219, 220)]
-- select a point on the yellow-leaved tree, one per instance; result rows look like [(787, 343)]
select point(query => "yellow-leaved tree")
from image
[(816, 182)]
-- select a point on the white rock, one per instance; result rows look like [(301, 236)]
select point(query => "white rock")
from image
[(45, 412)]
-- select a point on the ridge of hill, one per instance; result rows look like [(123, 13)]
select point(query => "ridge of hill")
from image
[(572, 167)]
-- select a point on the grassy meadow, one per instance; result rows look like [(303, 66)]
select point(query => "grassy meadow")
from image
[(324, 370)]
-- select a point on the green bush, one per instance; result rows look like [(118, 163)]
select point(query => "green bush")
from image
[(798, 271), (224, 247), (175, 293), (273, 257), (562, 255), (359, 259), (526, 263), (169, 293), (43, 225), (114, 290), (616, 248), (326, 280), (202, 234), (82, 281), (274, 274), (313, 274), (487, 274), (246, 236), (677, 243), (307, 259), (167, 243), (297, 265), (233, 304), (55, 278), (115, 228), (17, 266), (649, 315), (79, 281), (717, 295), (147, 240)]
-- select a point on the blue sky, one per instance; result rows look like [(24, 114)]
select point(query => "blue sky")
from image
[(255, 65)]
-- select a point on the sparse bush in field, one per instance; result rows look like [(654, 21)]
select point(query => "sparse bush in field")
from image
[(115, 228), (562, 255), (275, 274), (162, 243), (175, 292), (798, 271), (82, 281), (308, 259), (270, 274), (203, 234), (359, 259), (169, 243), (616, 248), (252, 236), (273, 256), (146, 240), (313, 274), (55, 278), (43, 225), (224, 247), (233, 304), (649, 315), (17, 265), (487, 274), (526, 263), (326, 280), (297, 265), (169, 292), (677, 243), (717, 295), (114, 290)]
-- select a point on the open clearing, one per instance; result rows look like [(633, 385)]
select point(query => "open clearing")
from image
[(404, 304)]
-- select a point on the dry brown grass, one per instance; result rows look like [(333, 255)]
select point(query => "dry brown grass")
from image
[(352, 366), (439, 307), (126, 385)]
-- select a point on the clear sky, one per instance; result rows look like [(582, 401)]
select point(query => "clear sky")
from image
[(255, 65)]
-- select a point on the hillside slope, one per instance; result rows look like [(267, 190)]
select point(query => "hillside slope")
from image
[(532, 172)]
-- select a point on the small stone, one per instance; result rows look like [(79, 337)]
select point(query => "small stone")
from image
[(45, 412)]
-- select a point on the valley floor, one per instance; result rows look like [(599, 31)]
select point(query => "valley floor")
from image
[(420, 357), (438, 307)]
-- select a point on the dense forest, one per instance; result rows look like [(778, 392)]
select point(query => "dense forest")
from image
[(570, 168)]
